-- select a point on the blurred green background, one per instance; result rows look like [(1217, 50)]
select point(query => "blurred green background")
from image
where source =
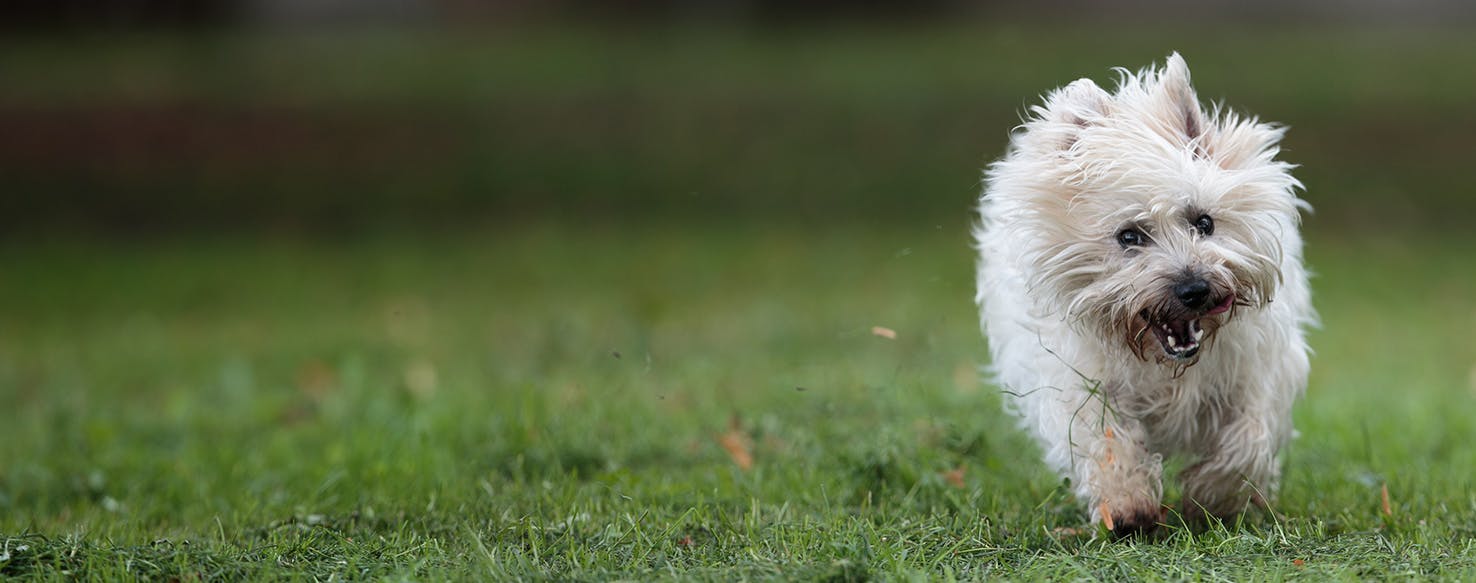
[(307, 129), (414, 286)]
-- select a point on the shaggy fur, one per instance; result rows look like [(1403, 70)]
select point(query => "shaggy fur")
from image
[(1182, 338)]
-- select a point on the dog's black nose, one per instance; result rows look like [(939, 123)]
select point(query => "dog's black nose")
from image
[(1193, 293)]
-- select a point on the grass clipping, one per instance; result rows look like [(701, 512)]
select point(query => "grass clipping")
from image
[(735, 442)]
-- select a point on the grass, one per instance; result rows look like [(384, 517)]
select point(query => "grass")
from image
[(552, 401)]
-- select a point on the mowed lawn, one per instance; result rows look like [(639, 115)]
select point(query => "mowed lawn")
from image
[(654, 400)]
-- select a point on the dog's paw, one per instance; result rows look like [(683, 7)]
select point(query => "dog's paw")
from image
[(1138, 519)]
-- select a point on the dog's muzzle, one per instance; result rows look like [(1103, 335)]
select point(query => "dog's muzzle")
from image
[(1181, 329)]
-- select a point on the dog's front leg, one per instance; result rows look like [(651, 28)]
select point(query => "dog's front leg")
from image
[(1237, 467), (1124, 479), (1107, 457)]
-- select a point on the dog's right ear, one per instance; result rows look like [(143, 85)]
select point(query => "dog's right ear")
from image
[(1180, 105), (1074, 108)]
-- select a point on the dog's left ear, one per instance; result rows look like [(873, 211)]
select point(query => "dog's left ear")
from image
[(1069, 111), (1179, 106)]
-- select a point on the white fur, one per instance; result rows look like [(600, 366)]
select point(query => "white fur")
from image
[(1061, 298)]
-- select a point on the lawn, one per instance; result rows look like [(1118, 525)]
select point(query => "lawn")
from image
[(576, 403), (654, 322)]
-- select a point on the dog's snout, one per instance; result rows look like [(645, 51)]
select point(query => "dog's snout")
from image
[(1193, 293)]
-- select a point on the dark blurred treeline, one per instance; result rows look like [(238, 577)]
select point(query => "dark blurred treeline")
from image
[(219, 13), (165, 116)]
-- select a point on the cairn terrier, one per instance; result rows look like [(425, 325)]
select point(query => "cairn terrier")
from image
[(1142, 290)]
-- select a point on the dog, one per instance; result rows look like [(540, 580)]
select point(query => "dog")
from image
[(1142, 290)]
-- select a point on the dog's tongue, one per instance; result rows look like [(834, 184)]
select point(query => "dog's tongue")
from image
[(1223, 306)]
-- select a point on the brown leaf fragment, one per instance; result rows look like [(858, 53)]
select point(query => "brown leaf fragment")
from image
[(316, 380), (736, 444), (1384, 500), (737, 450), (955, 477), (1106, 516)]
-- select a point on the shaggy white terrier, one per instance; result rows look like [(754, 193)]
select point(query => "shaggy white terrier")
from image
[(1142, 289)]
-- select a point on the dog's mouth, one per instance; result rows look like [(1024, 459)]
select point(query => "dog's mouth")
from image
[(1183, 336), (1180, 338)]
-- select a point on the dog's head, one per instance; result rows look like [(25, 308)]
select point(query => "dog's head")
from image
[(1150, 221)]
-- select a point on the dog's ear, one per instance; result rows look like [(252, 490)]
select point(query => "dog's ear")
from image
[(1179, 106), (1231, 141), (1074, 108)]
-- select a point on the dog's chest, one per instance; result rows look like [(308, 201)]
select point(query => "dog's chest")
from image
[(1174, 412)]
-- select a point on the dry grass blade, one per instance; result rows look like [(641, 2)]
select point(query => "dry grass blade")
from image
[(884, 332), (955, 477), (736, 444)]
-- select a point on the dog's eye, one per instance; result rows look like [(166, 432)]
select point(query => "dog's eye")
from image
[(1205, 225), (1131, 238)]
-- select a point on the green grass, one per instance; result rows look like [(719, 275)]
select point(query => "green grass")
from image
[(548, 401)]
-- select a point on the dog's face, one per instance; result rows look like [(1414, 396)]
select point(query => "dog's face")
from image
[(1151, 223)]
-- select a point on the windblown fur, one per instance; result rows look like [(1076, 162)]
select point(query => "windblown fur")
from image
[(1184, 337)]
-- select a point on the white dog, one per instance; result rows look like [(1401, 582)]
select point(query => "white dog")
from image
[(1142, 289)]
